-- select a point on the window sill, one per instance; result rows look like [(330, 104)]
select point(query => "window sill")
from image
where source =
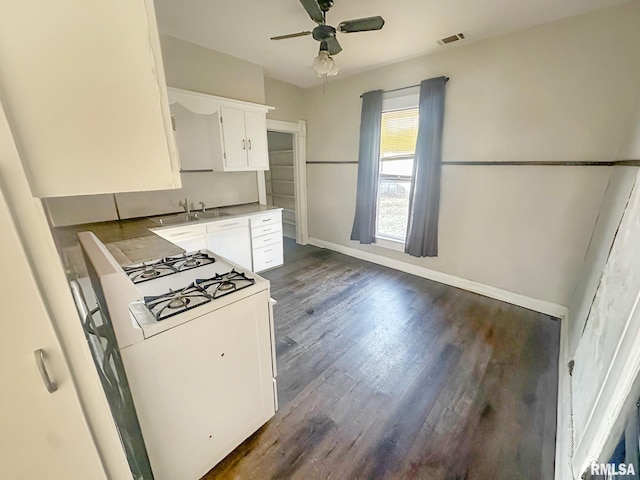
[(391, 244)]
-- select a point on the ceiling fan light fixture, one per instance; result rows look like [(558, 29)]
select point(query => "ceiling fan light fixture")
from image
[(324, 64)]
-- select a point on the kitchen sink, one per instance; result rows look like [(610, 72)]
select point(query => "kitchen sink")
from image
[(181, 218)]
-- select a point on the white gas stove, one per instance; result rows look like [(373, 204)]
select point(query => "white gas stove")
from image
[(196, 337), (179, 288)]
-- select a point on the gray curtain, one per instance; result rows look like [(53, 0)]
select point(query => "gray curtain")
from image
[(364, 223), (424, 197)]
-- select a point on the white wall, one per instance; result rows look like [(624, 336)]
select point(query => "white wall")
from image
[(81, 209), (288, 100), (630, 148), (214, 189), (192, 67), (560, 92)]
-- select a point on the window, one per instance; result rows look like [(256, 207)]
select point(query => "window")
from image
[(397, 149)]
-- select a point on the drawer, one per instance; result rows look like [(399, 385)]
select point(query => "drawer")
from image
[(265, 260), (268, 219), (267, 250), (181, 233), (258, 242), (225, 224), (268, 229)]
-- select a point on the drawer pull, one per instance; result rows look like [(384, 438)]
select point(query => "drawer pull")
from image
[(181, 234), (270, 250), (266, 219), (269, 261), (267, 229)]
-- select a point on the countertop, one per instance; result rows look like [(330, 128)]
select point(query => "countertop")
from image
[(132, 241)]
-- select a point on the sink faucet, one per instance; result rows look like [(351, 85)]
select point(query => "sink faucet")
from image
[(185, 204), (203, 206)]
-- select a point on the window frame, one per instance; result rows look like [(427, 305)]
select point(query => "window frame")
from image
[(404, 99)]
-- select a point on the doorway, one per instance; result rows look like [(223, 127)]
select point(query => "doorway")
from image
[(286, 180)]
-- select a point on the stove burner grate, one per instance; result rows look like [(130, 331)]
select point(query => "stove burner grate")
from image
[(148, 271), (187, 261), (225, 283), (196, 294), (173, 303), (167, 266)]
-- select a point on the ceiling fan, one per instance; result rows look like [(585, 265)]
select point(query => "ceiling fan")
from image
[(326, 34)]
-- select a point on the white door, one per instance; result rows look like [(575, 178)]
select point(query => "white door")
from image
[(42, 434), (235, 142), (256, 131)]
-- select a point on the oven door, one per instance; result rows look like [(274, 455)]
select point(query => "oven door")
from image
[(106, 356)]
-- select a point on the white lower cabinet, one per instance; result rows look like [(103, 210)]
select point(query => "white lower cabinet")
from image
[(253, 243), (186, 434), (230, 239), (266, 240), (189, 238)]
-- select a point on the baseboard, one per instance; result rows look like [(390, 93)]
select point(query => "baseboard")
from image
[(530, 303)]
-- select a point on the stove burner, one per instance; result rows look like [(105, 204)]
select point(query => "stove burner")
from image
[(173, 303), (191, 262), (178, 302), (149, 273), (196, 294), (187, 261), (145, 271), (225, 283), (226, 286)]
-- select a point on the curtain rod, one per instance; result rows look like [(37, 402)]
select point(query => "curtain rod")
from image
[(446, 79)]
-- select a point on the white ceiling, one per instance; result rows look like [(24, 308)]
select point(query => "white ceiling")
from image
[(242, 28)]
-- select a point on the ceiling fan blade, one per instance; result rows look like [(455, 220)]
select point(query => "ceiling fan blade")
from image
[(313, 9), (291, 35), (333, 46), (361, 25)]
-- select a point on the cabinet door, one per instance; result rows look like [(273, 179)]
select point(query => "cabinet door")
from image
[(256, 131), (233, 244), (192, 136), (85, 86), (192, 244), (44, 435), (234, 139)]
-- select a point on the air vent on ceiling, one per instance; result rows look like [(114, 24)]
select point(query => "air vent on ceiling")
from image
[(451, 39)]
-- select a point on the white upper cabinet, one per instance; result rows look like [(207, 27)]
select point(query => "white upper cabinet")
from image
[(219, 134), (84, 89), (257, 147), (192, 138)]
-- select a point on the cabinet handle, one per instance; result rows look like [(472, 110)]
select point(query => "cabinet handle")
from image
[(266, 229), (269, 261), (243, 145), (266, 220), (249, 144), (270, 250), (39, 356), (180, 234)]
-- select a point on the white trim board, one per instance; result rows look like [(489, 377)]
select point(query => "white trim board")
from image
[(530, 303), (564, 418)]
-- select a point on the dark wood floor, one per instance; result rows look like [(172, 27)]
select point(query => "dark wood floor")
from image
[(383, 375)]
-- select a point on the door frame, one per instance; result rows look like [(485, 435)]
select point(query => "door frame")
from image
[(299, 131)]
